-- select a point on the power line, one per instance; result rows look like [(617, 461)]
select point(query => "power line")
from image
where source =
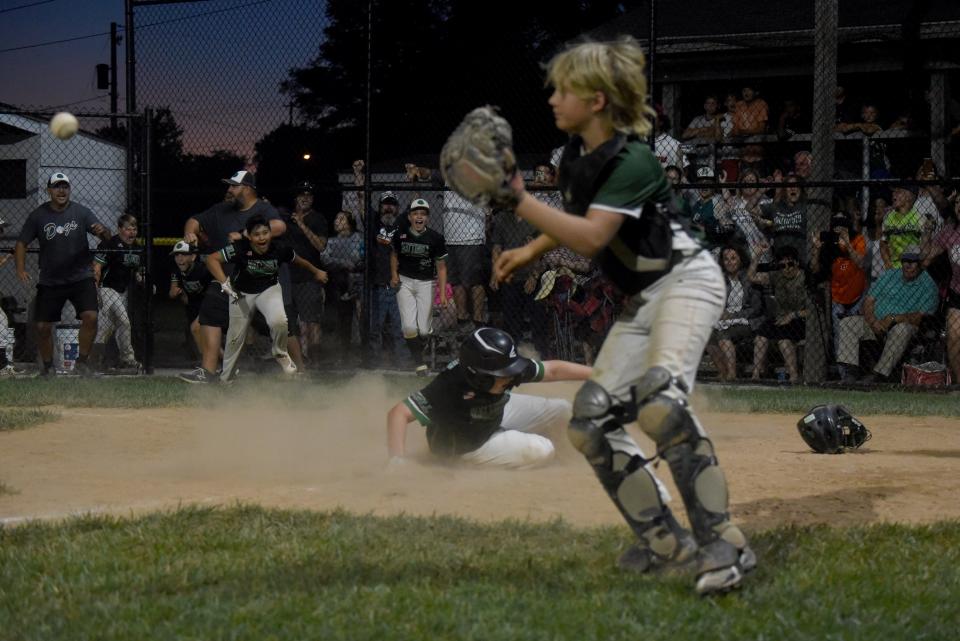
[(26, 6), (76, 102), (144, 26)]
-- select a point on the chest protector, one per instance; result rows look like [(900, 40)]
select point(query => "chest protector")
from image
[(642, 251)]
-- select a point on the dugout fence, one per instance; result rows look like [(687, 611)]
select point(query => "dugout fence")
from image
[(800, 131)]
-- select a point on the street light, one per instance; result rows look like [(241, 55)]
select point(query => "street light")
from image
[(306, 156)]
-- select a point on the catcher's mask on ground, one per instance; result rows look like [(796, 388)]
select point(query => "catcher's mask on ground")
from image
[(832, 429)]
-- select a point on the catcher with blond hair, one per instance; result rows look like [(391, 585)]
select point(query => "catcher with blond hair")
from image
[(618, 207)]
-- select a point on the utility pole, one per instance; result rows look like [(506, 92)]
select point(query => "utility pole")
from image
[(114, 41)]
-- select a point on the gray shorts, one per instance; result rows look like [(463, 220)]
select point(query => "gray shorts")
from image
[(308, 297), (467, 265)]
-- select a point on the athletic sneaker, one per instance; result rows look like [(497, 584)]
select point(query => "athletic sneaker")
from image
[(287, 365), (422, 370), (9, 370), (129, 365), (198, 375), (748, 559)]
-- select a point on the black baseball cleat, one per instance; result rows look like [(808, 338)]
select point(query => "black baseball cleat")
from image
[(198, 375)]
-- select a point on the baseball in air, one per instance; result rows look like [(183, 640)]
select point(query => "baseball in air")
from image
[(64, 125)]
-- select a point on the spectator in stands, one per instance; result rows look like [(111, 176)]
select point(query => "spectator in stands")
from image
[(385, 312), (948, 242), (703, 211), (665, 147), (342, 258), (751, 115), (845, 112), (745, 211), (704, 130), (892, 312), (874, 264), (866, 125), (307, 231), (785, 323), (464, 229), (837, 256), (902, 226), (803, 164), (742, 314), (791, 120), (930, 199), (706, 125), (785, 219), (729, 153)]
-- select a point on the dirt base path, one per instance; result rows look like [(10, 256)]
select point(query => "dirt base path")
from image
[(132, 461)]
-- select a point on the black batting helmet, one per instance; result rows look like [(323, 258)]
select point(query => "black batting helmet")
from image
[(490, 353), (832, 429)]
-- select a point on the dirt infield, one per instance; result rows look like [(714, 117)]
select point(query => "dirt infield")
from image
[(123, 461)]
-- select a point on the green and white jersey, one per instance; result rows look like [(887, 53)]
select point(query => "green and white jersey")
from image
[(458, 418), (623, 176)]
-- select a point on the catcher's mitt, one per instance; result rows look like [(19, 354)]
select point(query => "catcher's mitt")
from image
[(477, 160)]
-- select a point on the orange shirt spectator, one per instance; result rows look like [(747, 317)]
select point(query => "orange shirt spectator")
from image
[(751, 115), (847, 280)]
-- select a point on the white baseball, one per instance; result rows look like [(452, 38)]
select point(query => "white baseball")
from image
[(64, 125)]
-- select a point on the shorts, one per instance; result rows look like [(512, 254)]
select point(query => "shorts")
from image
[(192, 310), (467, 265), (51, 298), (795, 330), (734, 333), (308, 297), (215, 308)]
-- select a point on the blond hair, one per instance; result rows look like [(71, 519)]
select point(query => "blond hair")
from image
[(614, 68)]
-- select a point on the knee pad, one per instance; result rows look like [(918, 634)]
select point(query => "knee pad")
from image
[(593, 417), (662, 410), (596, 430)]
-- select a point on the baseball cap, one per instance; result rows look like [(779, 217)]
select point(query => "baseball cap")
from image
[(911, 253), (242, 177), (388, 196), (839, 219), (57, 177), (705, 172), (419, 203), (183, 247), (305, 187)]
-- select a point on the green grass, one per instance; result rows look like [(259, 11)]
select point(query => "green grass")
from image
[(145, 392), (250, 573), (797, 400), (21, 418), (159, 391)]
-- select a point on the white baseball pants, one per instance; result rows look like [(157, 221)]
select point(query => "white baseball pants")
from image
[(112, 318), (519, 442), (270, 304), (415, 300), (667, 324)]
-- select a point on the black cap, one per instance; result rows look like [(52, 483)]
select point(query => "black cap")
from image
[(305, 187), (242, 177)]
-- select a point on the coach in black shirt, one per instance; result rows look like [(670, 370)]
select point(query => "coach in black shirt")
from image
[(66, 268)]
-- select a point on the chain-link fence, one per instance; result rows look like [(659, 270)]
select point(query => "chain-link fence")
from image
[(815, 151), (76, 207), (814, 147)]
